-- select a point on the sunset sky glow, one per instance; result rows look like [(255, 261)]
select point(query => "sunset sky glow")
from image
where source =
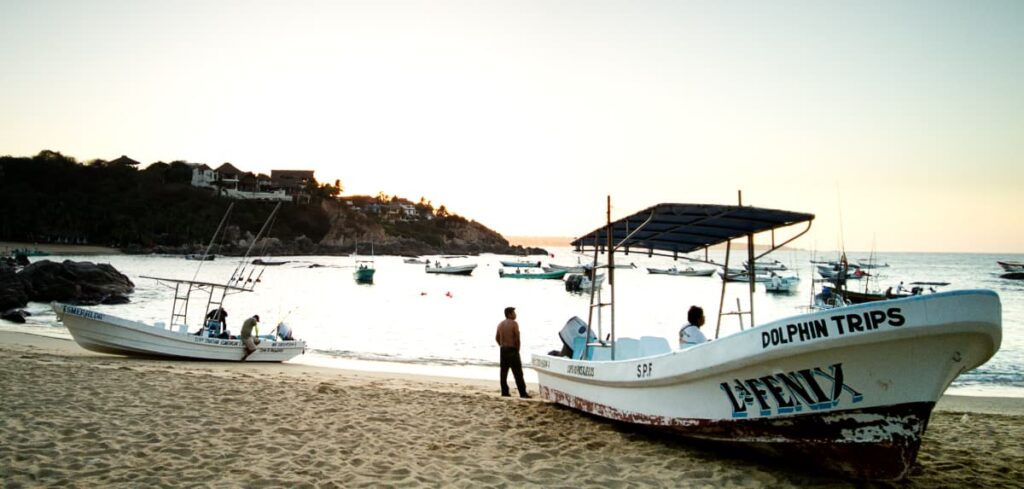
[(899, 124)]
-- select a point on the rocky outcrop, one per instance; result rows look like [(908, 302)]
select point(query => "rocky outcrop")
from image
[(440, 235), (12, 291), (15, 316), (83, 283)]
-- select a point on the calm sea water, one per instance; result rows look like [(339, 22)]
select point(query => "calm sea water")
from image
[(422, 321)]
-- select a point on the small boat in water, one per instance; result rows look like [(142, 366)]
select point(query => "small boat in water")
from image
[(582, 282), (520, 264), (766, 266), (519, 273), (106, 333), (553, 267), (1012, 266), (451, 269), (199, 257), (415, 261), (850, 389), (685, 272), (834, 273), (268, 262), (734, 275), (365, 270), (779, 284)]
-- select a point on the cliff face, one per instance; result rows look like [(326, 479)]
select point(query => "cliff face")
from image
[(417, 235)]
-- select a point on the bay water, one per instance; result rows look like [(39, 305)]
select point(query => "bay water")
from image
[(411, 321)]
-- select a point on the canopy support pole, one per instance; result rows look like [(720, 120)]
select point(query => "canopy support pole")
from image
[(611, 270), (725, 280)]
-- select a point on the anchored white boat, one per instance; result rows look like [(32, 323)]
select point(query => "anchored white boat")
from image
[(451, 269), (553, 267), (684, 272), (1011, 266), (766, 266), (581, 282), (106, 333), (849, 389), (782, 284)]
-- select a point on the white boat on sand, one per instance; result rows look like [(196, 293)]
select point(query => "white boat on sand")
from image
[(848, 389), (106, 333)]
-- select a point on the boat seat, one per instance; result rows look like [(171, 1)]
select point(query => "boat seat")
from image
[(579, 345), (600, 353), (626, 348), (653, 345)]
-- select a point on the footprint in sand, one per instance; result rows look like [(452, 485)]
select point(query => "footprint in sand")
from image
[(531, 457)]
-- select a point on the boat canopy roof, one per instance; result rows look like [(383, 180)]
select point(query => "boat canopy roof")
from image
[(683, 228)]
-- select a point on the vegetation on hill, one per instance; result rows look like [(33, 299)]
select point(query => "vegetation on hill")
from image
[(52, 198)]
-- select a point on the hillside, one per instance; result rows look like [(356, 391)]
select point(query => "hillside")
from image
[(52, 198)]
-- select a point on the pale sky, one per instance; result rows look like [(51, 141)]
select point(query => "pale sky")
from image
[(901, 123)]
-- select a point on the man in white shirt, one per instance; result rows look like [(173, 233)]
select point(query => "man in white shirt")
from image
[(691, 334)]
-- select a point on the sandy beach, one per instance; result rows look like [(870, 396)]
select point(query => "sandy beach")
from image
[(72, 417)]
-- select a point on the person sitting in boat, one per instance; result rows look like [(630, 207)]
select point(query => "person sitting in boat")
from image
[(691, 334), (216, 322)]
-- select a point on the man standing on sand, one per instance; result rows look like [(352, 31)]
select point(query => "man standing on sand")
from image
[(248, 340), (508, 339)]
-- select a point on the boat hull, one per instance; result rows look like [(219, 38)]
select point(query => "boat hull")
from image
[(850, 388), (681, 273), (104, 333), (454, 270), (1012, 266), (554, 275), (520, 264), (364, 275)]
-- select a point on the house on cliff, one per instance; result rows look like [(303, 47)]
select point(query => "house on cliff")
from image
[(231, 182)]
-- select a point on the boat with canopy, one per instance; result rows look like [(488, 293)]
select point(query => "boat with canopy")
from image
[(849, 389), (106, 333)]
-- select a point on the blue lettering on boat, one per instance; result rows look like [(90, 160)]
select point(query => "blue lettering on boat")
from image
[(77, 311), (790, 392)]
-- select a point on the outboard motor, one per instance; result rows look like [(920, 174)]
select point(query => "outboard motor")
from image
[(573, 283), (574, 336)]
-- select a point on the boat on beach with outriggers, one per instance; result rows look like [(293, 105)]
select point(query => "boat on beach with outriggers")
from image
[(106, 333), (848, 389)]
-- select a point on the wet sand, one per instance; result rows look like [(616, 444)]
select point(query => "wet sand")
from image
[(72, 417)]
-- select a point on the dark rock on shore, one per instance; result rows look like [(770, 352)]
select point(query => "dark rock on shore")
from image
[(12, 291), (83, 283), (15, 316)]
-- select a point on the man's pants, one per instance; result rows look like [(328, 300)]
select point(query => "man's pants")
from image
[(510, 360)]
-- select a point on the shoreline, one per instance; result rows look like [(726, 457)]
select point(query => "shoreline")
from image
[(993, 400), (73, 416), (60, 249)]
